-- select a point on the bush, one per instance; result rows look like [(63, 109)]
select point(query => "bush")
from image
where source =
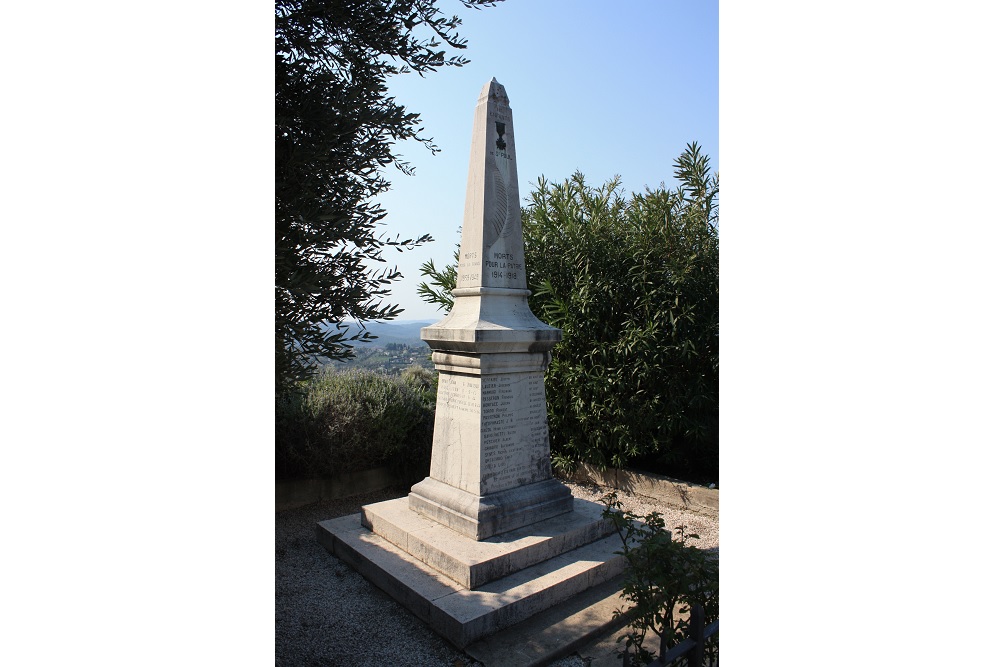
[(422, 380), (352, 421), (633, 282), (664, 579)]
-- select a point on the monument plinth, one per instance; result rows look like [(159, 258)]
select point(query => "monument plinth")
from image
[(490, 537), (490, 466)]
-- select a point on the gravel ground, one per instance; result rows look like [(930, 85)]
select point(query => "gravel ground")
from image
[(328, 614)]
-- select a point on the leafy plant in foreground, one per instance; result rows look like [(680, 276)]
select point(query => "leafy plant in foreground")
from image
[(664, 578)]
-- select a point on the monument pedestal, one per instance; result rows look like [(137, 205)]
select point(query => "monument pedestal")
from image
[(490, 465), (480, 517)]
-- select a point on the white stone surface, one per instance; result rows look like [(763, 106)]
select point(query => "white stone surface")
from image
[(473, 563), (460, 614), (490, 537), (492, 252), (479, 517), (491, 312), (491, 430)]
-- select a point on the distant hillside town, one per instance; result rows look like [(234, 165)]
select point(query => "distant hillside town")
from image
[(397, 347), (392, 359)]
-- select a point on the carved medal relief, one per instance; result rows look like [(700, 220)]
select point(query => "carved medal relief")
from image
[(503, 260), (496, 262), (503, 205)]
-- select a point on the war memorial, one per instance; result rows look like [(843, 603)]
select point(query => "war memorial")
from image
[(489, 537)]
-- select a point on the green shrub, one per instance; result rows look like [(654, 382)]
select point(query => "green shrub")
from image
[(633, 282), (664, 578), (351, 421), (422, 380)]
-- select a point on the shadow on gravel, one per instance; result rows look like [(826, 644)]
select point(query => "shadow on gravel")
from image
[(325, 613)]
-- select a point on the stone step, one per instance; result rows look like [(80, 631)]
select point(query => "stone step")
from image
[(474, 563), (458, 613), (570, 626)]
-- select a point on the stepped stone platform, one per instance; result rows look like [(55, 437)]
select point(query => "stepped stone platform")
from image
[(467, 589)]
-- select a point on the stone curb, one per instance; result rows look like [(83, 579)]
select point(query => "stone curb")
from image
[(289, 494), (675, 493)]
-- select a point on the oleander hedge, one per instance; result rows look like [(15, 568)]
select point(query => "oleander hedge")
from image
[(633, 282)]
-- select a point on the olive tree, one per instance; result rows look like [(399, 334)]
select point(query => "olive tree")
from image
[(335, 126)]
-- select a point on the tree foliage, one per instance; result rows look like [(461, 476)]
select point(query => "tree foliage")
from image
[(335, 126), (442, 282), (634, 285), (633, 282)]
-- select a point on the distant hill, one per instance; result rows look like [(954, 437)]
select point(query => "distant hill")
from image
[(406, 332)]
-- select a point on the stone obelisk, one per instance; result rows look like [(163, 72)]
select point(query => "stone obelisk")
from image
[(490, 466), (489, 538)]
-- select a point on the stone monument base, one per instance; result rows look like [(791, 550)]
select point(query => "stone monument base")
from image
[(467, 589), (480, 517)]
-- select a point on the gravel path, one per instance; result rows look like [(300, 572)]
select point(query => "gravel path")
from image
[(328, 614)]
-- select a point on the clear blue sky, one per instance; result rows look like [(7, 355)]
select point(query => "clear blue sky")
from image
[(597, 87)]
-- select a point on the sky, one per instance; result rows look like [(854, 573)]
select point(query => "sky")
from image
[(602, 88)]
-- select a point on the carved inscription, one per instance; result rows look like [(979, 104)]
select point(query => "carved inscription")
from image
[(468, 269), (458, 393), (500, 118), (456, 432), (503, 266), (498, 113), (496, 434), (538, 420), (514, 431)]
